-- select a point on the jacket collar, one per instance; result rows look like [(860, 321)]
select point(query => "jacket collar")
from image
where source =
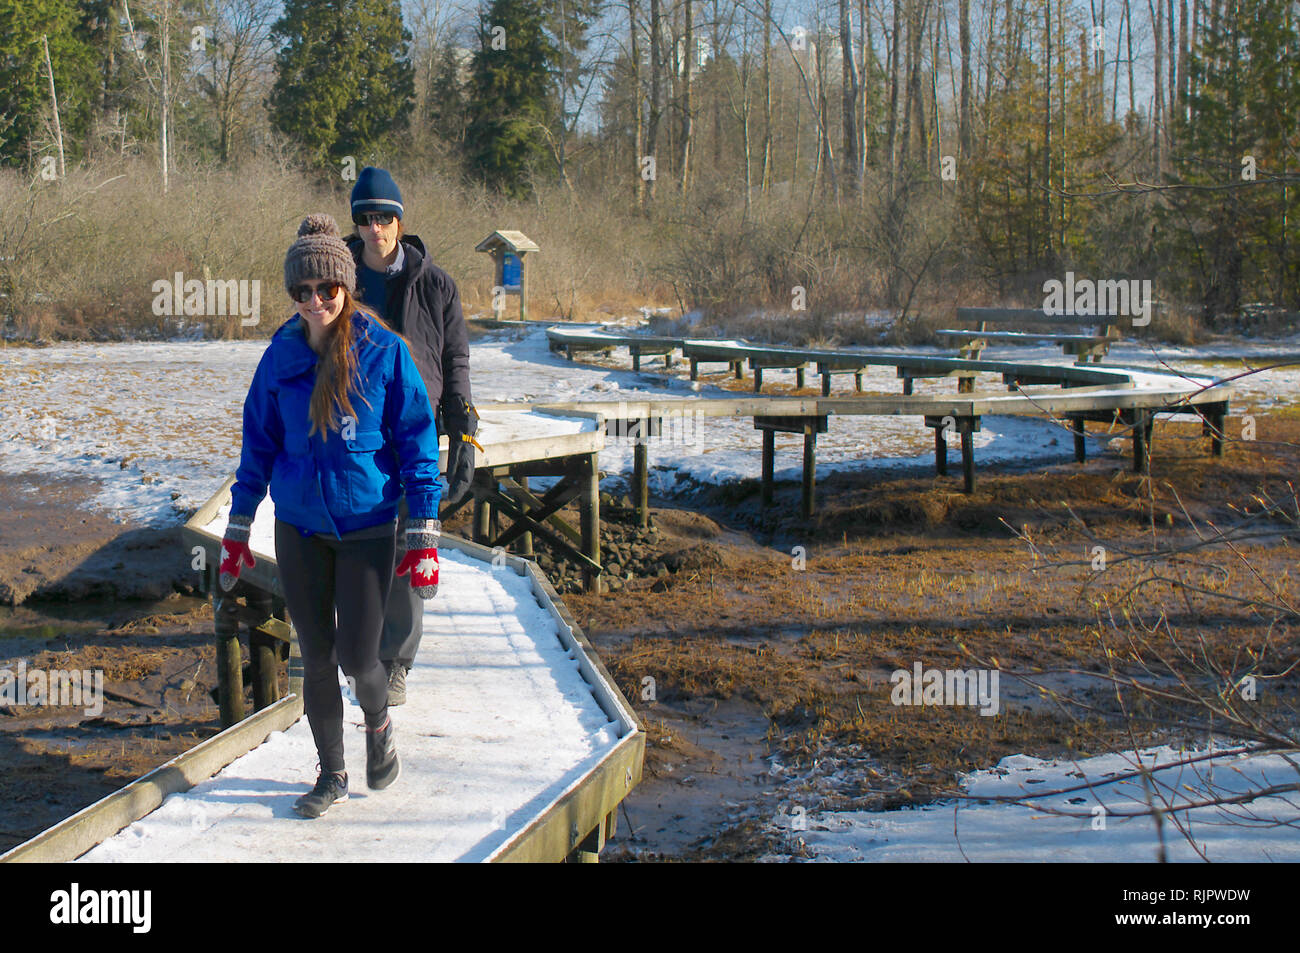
[(412, 248), (292, 355)]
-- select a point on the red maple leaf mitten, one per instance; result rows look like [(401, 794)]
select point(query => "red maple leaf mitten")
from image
[(421, 559), (235, 554)]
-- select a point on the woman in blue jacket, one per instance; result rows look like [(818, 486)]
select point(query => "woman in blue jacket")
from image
[(338, 423)]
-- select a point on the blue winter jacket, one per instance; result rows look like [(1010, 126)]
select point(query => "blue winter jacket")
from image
[(348, 479)]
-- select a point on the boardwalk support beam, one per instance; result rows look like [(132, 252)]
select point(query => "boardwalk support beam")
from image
[(967, 427), (809, 427)]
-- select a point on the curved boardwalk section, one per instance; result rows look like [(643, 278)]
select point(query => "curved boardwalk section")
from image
[(500, 723)]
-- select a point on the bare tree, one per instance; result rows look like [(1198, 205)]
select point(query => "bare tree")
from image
[(238, 64)]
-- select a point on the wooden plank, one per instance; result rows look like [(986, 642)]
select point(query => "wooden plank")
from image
[(93, 825), (1033, 316)]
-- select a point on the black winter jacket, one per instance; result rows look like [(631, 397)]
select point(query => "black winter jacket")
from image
[(424, 306)]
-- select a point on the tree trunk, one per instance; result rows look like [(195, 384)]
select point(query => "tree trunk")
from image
[(891, 127), (1157, 11), (766, 181), (1047, 125), (54, 102), (656, 92), (849, 159), (688, 66), (963, 117), (639, 135), (1172, 42)]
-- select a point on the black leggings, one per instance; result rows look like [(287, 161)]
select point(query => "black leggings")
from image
[(321, 575)]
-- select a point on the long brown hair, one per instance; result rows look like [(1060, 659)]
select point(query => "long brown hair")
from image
[(337, 374)]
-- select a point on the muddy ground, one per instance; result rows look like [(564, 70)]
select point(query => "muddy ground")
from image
[(757, 648)]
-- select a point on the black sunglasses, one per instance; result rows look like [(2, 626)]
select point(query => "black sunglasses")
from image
[(303, 293), (373, 218)]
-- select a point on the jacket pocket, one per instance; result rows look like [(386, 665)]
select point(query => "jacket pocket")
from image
[(370, 473), (365, 441)]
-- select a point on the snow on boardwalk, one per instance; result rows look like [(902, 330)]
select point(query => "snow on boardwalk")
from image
[(498, 722)]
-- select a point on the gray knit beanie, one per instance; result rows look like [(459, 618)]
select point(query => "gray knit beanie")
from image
[(319, 253)]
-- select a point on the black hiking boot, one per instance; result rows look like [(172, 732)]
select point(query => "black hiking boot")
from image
[(396, 683), (382, 766), (331, 788)]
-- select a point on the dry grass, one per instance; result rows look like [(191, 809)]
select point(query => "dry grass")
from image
[(901, 571)]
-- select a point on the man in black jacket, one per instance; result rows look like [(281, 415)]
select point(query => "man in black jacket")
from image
[(397, 277)]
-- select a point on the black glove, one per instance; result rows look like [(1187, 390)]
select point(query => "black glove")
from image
[(461, 421), (460, 465)]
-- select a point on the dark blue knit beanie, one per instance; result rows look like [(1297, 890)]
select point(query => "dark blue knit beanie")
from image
[(376, 191)]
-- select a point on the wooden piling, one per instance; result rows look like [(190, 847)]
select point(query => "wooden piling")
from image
[(809, 467), (1141, 451), (641, 481), (967, 453), (589, 508), (769, 465)]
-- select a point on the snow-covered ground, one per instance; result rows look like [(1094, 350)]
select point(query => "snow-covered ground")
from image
[(1096, 824), (155, 427)]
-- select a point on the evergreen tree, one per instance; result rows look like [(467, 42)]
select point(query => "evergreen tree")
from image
[(448, 105), (1240, 234), (343, 76), (511, 99), (24, 82)]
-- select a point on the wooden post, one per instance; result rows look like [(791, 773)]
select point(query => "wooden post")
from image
[(526, 540), (758, 379), (482, 509), (230, 662), (695, 369), (809, 466), (589, 508), (965, 385), (641, 480), (826, 383), (738, 368), (1141, 462), (907, 385), (798, 378), (940, 451), (296, 673), (523, 285), (636, 357), (1080, 441), (857, 382), (1216, 419), (588, 849), (265, 658), (968, 453), (230, 680), (769, 465)]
